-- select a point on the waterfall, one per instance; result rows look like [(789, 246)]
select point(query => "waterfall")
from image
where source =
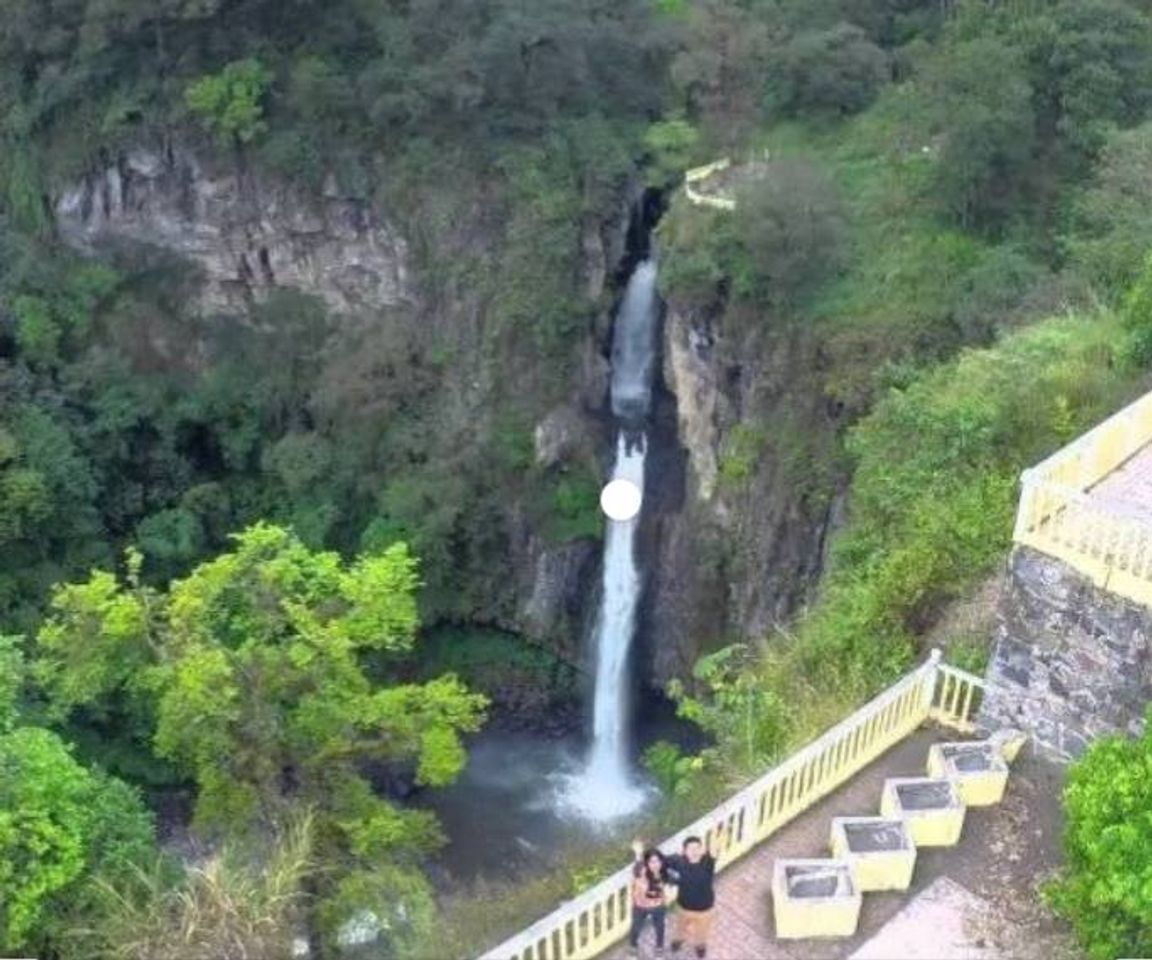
[(634, 346), (606, 788)]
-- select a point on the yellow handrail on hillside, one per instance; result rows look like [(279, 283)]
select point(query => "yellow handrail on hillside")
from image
[(592, 922), (1059, 516), (703, 173)]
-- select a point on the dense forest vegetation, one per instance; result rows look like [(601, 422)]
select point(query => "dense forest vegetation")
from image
[(957, 206)]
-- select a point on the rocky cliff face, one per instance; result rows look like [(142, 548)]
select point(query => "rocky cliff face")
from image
[(1071, 663), (245, 233), (743, 543)]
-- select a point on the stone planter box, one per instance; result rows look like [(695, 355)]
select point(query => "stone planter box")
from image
[(977, 769), (814, 898), (879, 850), (931, 808)]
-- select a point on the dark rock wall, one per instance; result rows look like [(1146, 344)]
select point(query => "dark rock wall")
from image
[(734, 561), (1071, 662)]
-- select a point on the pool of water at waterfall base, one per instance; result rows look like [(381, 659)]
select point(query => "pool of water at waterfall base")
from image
[(506, 814)]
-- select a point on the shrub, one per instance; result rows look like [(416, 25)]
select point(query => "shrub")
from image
[(227, 906), (60, 825), (229, 102), (838, 69), (671, 145), (1137, 316), (672, 769), (1105, 890), (789, 234), (574, 508), (1111, 231)]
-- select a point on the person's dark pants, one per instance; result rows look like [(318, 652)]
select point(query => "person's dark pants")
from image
[(639, 915)]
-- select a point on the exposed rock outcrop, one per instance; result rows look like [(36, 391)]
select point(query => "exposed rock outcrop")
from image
[(690, 374), (735, 556), (245, 233)]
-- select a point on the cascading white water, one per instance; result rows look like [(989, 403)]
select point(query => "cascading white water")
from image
[(634, 346), (606, 788)]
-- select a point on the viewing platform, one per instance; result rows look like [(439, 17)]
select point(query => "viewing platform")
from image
[(1070, 661), (1090, 504), (788, 813), (1069, 665)]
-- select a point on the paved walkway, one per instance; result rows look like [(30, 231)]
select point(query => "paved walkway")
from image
[(1004, 852), (1128, 489)]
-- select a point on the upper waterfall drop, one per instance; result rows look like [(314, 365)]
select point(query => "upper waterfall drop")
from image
[(634, 346)]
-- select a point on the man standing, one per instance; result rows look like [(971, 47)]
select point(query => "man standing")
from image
[(693, 871)]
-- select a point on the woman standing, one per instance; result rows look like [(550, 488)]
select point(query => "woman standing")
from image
[(648, 897)]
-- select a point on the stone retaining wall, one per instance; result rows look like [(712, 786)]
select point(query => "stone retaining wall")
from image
[(1071, 662)]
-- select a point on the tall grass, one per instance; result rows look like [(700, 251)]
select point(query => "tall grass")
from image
[(227, 908)]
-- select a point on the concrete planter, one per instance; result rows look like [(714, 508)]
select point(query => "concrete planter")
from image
[(931, 807), (814, 898), (977, 769), (879, 850)]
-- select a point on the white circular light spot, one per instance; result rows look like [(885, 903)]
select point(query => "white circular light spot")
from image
[(620, 499)]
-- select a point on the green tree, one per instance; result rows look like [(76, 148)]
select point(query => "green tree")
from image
[(975, 97), (718, 71), (748, 719), (1111, 229), (838, 70), (256, 668), (672, 145), (12, 675), (60, 826), (1137, 316), (790, 230), (1090, 67), (1105, 889), (229, 103)]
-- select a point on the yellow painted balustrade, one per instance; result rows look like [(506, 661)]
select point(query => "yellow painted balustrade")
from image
[(599, 917), (692, 177), (1059, 516)]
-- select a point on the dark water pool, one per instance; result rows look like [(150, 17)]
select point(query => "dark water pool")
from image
[(506, 813)]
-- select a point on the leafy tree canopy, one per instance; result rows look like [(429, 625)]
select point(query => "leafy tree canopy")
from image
[(1106, 886), (256, 669), (61, 824)]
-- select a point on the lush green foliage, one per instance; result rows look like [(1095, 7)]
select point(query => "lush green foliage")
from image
[(231, 905), (1106, 886), (63, 827), (839, 69), (507, 669), (936, 174), (229, 102), (741, 712), (253, 672), (673, 770), (1112, 219), (1137, 315)]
